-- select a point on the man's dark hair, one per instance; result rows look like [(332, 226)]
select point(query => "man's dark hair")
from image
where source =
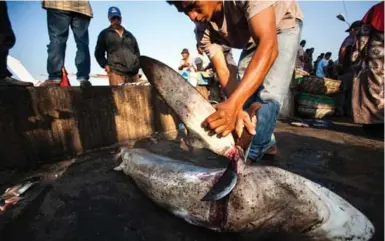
[(179, 4), (172, 2), (328, 54), (303, 42), (322, 55)]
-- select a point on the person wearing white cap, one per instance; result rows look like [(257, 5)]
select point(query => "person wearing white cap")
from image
[(185, 63)]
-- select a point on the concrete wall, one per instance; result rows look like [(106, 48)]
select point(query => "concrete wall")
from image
[(39, 125)]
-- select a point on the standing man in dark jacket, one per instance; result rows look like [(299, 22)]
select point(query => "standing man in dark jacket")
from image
[(122, 64)]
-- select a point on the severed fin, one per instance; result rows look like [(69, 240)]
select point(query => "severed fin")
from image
[(187, 103)]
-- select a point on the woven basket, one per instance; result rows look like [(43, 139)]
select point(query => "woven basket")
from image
[(316, 113), (315, 101), (315, 106), (319, 86)]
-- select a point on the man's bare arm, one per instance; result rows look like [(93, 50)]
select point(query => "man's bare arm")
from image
[(263, 30), (266, 53), (225, 75)]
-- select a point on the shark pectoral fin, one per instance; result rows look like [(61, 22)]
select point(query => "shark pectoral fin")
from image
[(118, 168), (223, 186), (118, 158)]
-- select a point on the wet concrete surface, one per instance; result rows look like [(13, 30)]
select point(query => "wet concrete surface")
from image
[(89, 201)]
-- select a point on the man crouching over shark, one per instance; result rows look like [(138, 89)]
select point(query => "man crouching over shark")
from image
[(240, 197), (265, 68)]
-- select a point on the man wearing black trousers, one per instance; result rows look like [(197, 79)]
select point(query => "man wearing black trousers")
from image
[(7, 41)]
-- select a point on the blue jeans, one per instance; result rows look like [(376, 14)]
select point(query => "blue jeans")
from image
[(274, 89), (58, 28)]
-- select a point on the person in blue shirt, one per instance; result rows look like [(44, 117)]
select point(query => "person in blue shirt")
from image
[(321, 67)]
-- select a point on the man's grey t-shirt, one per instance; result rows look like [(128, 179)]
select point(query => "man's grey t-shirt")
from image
[(235, 32)]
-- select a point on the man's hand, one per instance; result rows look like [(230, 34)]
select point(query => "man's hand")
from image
[(107, 69), (224, 119), (243, 120)]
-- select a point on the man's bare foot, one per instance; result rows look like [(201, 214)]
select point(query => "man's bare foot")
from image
[(273, 150), (249, 162)]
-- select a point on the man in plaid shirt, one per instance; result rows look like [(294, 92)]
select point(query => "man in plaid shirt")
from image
[(60, 16)]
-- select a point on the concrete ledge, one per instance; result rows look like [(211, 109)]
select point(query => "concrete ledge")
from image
[(38, 125)]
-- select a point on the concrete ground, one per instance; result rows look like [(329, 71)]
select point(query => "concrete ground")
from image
[(84, 199)]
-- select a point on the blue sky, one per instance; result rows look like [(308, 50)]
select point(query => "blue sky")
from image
[(161, 31)]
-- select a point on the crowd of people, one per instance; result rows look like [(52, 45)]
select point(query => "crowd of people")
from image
[(117, 50), (359, 66), (324, 66), (200, 68)]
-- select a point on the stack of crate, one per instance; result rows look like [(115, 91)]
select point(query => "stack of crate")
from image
[(313, 95)]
